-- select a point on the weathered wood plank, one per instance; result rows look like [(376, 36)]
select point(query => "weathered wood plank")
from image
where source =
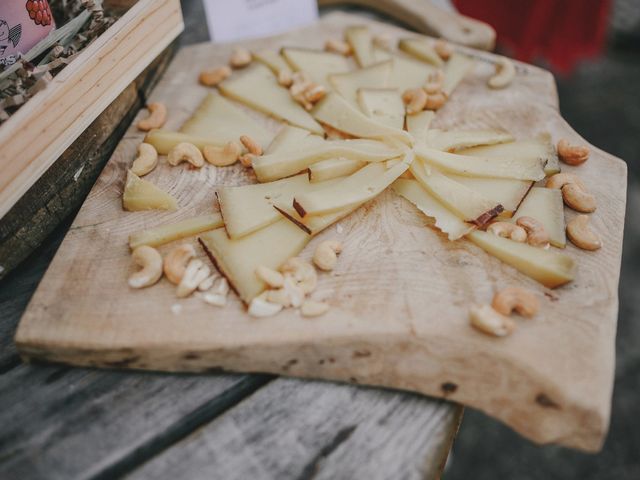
[(293, 429), (62, 423)]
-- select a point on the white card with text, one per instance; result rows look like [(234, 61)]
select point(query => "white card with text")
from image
[(230, 20)]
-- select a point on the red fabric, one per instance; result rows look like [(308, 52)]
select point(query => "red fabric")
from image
[(562, 32)]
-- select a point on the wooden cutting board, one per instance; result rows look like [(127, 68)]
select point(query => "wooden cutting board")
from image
[(400, 294)]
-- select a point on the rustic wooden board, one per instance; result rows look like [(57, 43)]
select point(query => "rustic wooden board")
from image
[(400, 293)]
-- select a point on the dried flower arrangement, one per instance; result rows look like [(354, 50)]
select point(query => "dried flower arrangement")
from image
[(80, 22)]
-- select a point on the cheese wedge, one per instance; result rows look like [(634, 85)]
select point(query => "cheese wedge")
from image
[(550, 268), (336, 112), (452, 140), (164, 140), (383, 105), (463, 202), (257, 87), (520, 169), (546, 205), (238, 259), (171, 232), (373, 76), (315, 63), (314, 224), (445, 221), (408, 73), (334, 168), (285, 163), (141, 194), (292, 138), (220, 119), (360, 187), (273, 60), (540, 148), (422, 49), (457, 67), (507, 192), (359, 38), (418, 124), (248, 208)]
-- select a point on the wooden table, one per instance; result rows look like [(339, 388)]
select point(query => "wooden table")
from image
[(65, 423)]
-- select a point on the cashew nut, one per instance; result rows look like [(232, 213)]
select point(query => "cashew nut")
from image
[(305, 92), (582, 235), (260, 307), (151, 262), (315, 93), (279, 296), (505, 73), (146, 160), (270, 277), (195, 273), (284, 78), (338, 46), (207, 283), (523, 301), (559, 180), (508, 230), (487, 320), (415, 99), (537, 235), (325, 256), (436, 101), (572, 154), (213, 77), (578, 198), (303, 272), (293, 290), (434, 83), (247, 160), (240, 58), (251, 145), (157, 117), (311, 308), (443, 49), (185, 152), (218, 294), (175, 263), (222, 156)]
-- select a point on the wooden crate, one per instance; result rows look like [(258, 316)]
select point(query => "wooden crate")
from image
[(37, 134)]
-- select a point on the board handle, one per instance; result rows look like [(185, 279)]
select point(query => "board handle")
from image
[(424, 17)]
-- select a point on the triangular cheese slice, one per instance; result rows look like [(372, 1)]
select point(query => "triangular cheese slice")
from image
[(384, 105), (407, 73), (292, 138), (507, 192), (457, 67), (273, 60), (418, 124), (546, 206), (449, 141), (373, 76), (422, 49), (219, 119), (359, 38), (315, 63), (257, 87), (140, 194)]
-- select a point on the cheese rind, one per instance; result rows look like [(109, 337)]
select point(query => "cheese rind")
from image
[(257, 87), (550, 268), (238, 259), (171, 232), (384, 105), (248, 208), (218, 118), (465, 203), (317, 64), (445, 220), (519, 169), (546, 205)]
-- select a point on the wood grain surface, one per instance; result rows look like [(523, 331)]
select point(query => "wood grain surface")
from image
[(399, 296)]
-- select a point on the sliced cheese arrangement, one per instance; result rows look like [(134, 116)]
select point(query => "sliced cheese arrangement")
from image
[(346, 137)]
